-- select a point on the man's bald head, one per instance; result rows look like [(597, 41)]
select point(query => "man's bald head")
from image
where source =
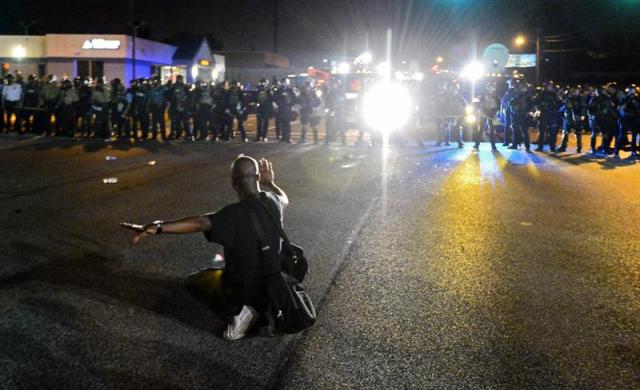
[(244, 174)]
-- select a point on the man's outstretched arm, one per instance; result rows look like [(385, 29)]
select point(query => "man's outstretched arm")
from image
[(267, 180), (186, 225)]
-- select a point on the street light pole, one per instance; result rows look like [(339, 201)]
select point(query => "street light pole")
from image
[(27, 26), (275, 26), (538, 59)]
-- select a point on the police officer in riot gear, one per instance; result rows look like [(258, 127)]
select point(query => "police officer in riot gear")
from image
[(83, 108), (119, 105), (285, 99), (238, 108), (157, 106), (204, 119), (629, 110), (50, 96), (487, 109), (309, 103), (264, 110), (506, 111), (179, 108), (140, 114), (66, 113), (221, 112), (547, 103), (572, 110), (336, 121), (454, 114), (100, 101), (520, 106), (603, 117), (31, 103)]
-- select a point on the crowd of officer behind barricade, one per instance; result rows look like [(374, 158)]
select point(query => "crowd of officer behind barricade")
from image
[(201, 111), (608, 111)]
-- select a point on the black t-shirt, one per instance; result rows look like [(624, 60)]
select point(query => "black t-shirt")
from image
[(245, 267)]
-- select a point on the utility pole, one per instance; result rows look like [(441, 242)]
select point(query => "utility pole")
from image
[(27, 26), (135, 26), (275, 25)]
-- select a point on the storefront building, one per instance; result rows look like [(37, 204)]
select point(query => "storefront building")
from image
[(194, 61), (98, 55)]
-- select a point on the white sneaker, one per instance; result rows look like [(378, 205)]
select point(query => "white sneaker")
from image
[(241, 323)]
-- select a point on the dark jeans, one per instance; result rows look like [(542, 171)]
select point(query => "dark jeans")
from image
[(262, 125), (13, 110), (480, 130), (521, 130), (567, 126), (157, 121), (627, 125), (547, 132)]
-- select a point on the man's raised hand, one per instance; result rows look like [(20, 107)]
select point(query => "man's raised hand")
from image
[(266, 171)]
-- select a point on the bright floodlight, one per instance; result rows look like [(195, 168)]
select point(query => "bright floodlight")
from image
[(473, 71), (366, 57), (18, 52), (383, 68), (194, 71), (439, 60), (343, 68), (387, 106), (418, 76)]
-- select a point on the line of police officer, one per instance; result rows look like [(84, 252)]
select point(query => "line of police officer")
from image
[(606, 110), (201, 111)]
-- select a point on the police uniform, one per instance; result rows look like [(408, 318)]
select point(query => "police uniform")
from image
[(31, 104), (488, 108), (157, 106), (66, 109), (572, 110), (309, 103), (603, 118), (204, 117), (629, 109), (141, 109), (547, 102), (179, 109), (285, 100), (238, 108), (264, 111), (520, 106), (100, 106)]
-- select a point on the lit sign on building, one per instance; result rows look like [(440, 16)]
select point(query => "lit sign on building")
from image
[(521, 61), (101, 44), (204, 63)]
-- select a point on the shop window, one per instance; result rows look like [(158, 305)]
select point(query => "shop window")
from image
[(92, 69)]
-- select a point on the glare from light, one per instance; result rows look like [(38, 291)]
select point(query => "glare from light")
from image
[(440, 59), (214, 74), (194, 71), (366, 58), (325, 60), (520, 40), (387, 106), (470, 119), (473, 71), (398, 75), (344, 68), (19, 52), (418, 76), (383, 68), (468, 110)]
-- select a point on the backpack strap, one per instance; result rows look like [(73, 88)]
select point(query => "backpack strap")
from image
[(264, 246), (266, 204)]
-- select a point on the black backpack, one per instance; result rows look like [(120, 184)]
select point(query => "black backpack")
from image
[(290, 308)]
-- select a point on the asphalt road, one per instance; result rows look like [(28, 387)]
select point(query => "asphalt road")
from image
[(431, 268)]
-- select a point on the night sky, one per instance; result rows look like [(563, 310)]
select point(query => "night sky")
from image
[(605, 31)]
